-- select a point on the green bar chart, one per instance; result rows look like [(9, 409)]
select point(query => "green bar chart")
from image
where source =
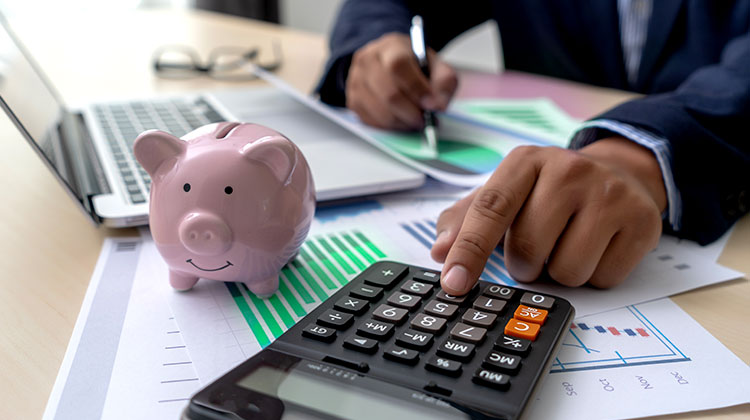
[(324, 264)]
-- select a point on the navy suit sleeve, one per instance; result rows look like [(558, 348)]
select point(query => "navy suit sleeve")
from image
[(706, 121), (361, 21)]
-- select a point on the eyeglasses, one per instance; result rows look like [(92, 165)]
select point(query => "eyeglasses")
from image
[(224, 63)]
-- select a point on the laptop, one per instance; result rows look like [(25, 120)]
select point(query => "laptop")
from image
[(90, 149)]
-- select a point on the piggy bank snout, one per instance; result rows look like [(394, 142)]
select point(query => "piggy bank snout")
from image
[(205, 234)]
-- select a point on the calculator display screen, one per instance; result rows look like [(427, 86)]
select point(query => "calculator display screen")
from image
[(345, 395)]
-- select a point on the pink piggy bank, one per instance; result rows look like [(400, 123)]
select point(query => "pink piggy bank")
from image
[(229, 202)]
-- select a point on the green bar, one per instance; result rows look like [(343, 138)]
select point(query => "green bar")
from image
[(280, 309), (327, 262), (251, 320), (316, 268), (369, 244), (358, 247), (265, 313), (348, 252), (291, 300), (342, 262), (297, 285), (310, 281)]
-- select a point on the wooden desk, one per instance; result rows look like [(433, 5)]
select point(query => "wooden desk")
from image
[(49, 249)]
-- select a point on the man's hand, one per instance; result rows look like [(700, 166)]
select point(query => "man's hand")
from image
[(585, 216), (387, 89)]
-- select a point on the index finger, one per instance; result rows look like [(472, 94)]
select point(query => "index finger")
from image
[(490, 214)]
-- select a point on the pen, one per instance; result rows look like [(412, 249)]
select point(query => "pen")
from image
[(416, 33)]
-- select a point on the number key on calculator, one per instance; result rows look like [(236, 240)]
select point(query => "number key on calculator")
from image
[(391, 343)]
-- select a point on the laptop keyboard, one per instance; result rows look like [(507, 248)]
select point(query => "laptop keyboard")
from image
[(123, 122)]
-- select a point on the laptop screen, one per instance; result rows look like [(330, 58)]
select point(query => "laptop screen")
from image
[(34, 107)]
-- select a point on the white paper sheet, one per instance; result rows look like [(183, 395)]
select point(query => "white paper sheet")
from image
[(126, 358), (645, 360), (153, 375)]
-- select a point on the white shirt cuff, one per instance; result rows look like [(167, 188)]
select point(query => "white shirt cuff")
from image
[(590, 131)]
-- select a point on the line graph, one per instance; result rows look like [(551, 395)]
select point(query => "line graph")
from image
[(589, 345)]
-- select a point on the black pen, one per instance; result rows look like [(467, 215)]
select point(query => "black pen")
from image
[(416, 33)]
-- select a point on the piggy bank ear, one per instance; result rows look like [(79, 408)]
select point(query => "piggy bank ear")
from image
[(153, 147), (277, 153)]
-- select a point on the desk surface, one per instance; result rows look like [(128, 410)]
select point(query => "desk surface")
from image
[(49, 249)]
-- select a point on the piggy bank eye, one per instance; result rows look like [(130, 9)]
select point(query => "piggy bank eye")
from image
[(186, 187), (228, 190)]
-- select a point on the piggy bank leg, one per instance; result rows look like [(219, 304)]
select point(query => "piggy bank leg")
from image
[(264, 288), (181, 281)]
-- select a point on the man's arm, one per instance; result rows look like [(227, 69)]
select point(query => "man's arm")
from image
[(705, 122), (362, 21)]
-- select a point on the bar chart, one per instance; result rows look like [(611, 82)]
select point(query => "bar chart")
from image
[(424, 231), (325, 263), (619, 338)]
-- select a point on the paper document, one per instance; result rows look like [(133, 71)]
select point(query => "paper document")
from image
[(644, 360), (474, 135), (126, 358)]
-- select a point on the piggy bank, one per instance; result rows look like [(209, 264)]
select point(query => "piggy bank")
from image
[(229, 202)]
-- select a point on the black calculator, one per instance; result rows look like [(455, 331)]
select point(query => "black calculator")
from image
[(392, 345)]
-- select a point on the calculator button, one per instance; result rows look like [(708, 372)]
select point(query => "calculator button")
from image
[(479, 318), (390, 314), (464, 332), (401, 355), (450, 298), (456, 350), (417, 288), (502, 362), (441, 309), (491, 379), (428, 323), (377, 330), (522, 329), (414, 340), (527, 313), (404, 300), (427, 277), (513, 345), (352, 305), (319, 333), (444, 366), (488, 304), (335, 319), (367, 292), (537, 301), (499, 292), (365, 345), (386, 274)]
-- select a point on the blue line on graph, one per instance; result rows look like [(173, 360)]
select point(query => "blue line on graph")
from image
[(579, 347), (558, 363), (583, 346), (643, 318), (655, 362), (413, 233), (492, 269), (509, 281), (430, 234), (620, 356)]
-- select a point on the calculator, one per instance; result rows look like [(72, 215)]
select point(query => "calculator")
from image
[(392, 345)]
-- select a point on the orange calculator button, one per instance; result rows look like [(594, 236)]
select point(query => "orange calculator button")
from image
[(527, 313), (522, 329)]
